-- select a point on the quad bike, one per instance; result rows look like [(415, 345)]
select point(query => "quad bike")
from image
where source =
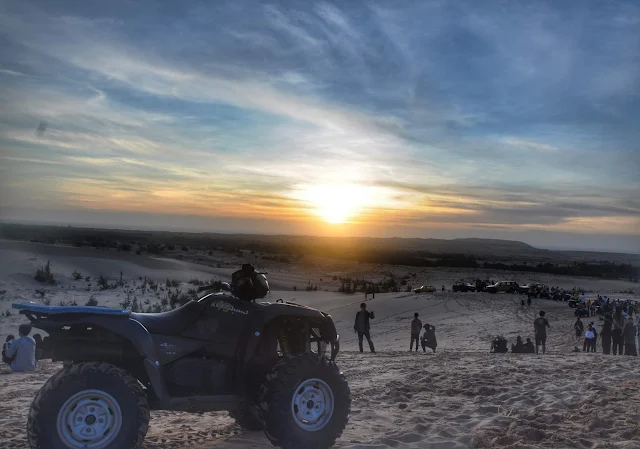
[(264, 363)]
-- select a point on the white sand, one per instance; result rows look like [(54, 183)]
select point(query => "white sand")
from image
[(460, 397)]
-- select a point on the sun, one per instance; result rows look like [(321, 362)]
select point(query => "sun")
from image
[(335, 204)]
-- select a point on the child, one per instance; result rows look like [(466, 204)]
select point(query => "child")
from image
[(5, 358), (589, 341)]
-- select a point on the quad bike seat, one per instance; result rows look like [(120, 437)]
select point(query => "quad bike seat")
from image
[(173, 322)]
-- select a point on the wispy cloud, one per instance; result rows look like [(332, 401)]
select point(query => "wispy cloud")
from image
[(466, 117), (529, 145)]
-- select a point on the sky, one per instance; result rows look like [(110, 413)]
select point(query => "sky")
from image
[(427, 118)]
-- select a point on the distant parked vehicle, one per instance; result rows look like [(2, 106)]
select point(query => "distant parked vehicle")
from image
[(463, 287), (524, 289), (503, 286), (536, 290), (425, 289)]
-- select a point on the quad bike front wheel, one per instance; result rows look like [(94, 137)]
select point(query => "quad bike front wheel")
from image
[(305, 403), (89, 406)]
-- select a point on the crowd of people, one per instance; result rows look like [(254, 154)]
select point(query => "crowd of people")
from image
[(619, 334)]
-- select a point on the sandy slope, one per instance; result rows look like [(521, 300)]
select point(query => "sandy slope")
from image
[(460, 397)]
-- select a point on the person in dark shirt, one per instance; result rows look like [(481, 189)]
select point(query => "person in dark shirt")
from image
[(518, 348), (605, 334), (5, 358), (429, 338), (528, 347), (362, 326), (540, 326), (578, 326), (416, 327)]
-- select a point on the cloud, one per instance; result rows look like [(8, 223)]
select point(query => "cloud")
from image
[(470, 116), (529, 145)]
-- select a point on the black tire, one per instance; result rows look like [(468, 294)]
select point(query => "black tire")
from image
[(277, 394), (42, 430), (248, 417)]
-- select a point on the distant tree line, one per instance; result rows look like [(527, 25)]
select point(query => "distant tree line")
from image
[(287, 249)]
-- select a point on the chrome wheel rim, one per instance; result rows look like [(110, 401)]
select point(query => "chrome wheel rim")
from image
[(312, 405), (90, 419)]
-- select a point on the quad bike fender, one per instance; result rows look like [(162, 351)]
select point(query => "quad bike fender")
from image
[(260, 326), (126, 328)]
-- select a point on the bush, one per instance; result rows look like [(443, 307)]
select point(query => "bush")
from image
[(185, 248), (156, 308), (103, 283), (196, 281), (88, 279), (41, 292), (92, 302), (46, 301), (45, 275), (8, 313), (76, 275)]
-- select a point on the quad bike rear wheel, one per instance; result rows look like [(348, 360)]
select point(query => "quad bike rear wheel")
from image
[(89, 406), (305, 403)]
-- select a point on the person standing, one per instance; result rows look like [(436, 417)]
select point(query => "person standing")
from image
[(589, 340), (416, 327), (540, 326), (629, 332), (606, 335), (595, 336), (616, 332), (638, 327), (362, 326), (528, 300), (579, 328)]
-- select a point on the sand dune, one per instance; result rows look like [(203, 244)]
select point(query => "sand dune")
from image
[(460, 397)]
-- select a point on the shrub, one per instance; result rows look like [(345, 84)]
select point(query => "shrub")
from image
[(92, 302), (45, 275), (185, 248), (46, 301), (8, 313), (76, 275), (88, 279), (196, 281), (41, 292), (156, 308), (103, 283)]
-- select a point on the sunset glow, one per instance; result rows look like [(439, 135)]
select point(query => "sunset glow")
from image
[(336, 117)]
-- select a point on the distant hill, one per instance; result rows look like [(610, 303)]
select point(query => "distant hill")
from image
[(352, 248)]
